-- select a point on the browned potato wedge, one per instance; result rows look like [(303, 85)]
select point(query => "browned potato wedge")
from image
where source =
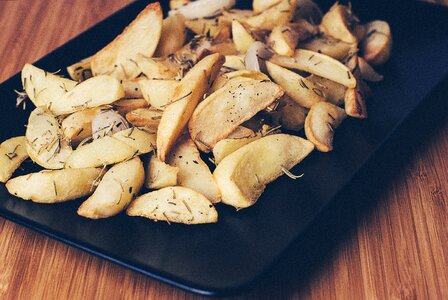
[(43, 87), (354, 103), (234, 63), (78, 126), (45, 143), (12, 154), (241, 132), (93, 92), (308, 10), (289, 115), (132, 89), (241, 37), (140, 37), (115, 191), (243, 175), (174, 204), (54, 186), (333, 91), (172, 37), (225, 78), (300, 89), (207, 27), (185, 99), (377, 45), (261, 5), (157, 68), (81, 70), (158, 93), (318, 64), (276, 15), (193, 172), (231, 106), (283, 40), (126, 105), (320, 123), (329, 46), (160, 174), (144, 117), (339, 22)]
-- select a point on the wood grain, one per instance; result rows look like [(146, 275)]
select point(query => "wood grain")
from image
[(387, 245)]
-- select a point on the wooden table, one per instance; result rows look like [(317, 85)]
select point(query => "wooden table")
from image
[(391, 248)]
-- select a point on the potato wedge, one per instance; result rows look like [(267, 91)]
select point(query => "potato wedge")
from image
[(318, 64), (53, 186), (78, 126), (231, 106), (172, 37), (174, 204), (141, 141), (131, 89), (276, 15), (320, 123), (158, 93), (126, 105), (339, 22), (243, 175), (115, 191), (93, 92), (261, 5), (139, 37), (158, 68), (354, 103), (230, 144), (43, 87), (283, 40), (300, 89), (206, 27), (193, 172), (185, 99), (235, 14), (45, 143), (174, 4), (81, 70), (333, 91), (144, 117), (241, 37), (225, 78), (160, 174), (241, 132), (377, 44), (234, 63), (12, 154), (289, 115), (329, 46)]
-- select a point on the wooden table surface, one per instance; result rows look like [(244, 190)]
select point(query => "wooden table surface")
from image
[(391, 248)]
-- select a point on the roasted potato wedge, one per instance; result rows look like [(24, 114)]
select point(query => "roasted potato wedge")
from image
[(53, 186), (225, 78), (159, 68), (172, 37), (241, 37), (141, 141), (115, 191), (45, 143), (78, 126), (144, 117), (231, 106), (193, 172), (207, 27), (320, 123), (318, 64), (12, 154), (329, 46), (139, 37), (339, 22), (261, 5), (174, 204), (230, 144), (131, 89), (354, 103), (160, 174), (243, 175), (234, 63), (158, 93), (289, 115), (91, 93), (333, 91), (276, 15), (283, 40), (235, 14), (126, 105), (377, 44), (43, 87), (185, 99), (81, 70), (174, 4)]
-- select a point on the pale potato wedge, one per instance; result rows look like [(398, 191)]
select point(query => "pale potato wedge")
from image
[(318, 64), (126, 105), (329, 46), (241, 37), (131, 89), (43, 87), (139, 37), (144, 117), (100, 152), (174, 4), (174, 204), (231, 106), (300, 89), (158, 93), (235, 14), (289, 115), (160, 174), (141, 141), (81, 70), (93, 92), (53, 186), (230, 144), (243, 175), (234, 63), (320, 123), (172, 37), (115, 191), (225, 78), (78, 126), (261, 5), (339, 22), (333, 91), (377, 45), (159, 68), (12, 154), (206, 27), (283, 40), (193, 172), (45, 143), (185, 99), (276, 15)]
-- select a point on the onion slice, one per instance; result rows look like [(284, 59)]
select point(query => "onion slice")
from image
[(367, 72), (108, 122), (256, 56), (203, 8)]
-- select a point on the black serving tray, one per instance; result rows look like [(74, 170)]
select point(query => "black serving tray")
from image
[(227, 257)]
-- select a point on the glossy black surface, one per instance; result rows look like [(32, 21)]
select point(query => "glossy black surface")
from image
[(226, 257)]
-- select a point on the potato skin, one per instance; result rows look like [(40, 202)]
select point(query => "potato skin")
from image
[(12, 154)]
